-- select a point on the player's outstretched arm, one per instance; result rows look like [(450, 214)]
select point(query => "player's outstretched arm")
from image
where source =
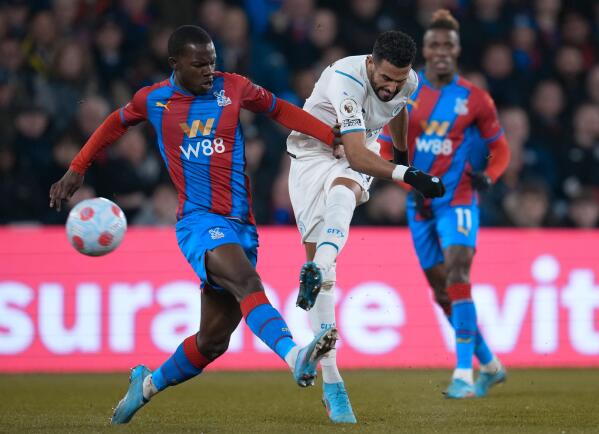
[(363, 160), (110, 131), (300, 120)]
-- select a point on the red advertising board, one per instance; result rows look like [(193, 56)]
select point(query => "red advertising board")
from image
[(536, 292)]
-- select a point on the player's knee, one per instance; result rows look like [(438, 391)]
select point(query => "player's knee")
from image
[(213, 348), (458, 275), (245, 284)]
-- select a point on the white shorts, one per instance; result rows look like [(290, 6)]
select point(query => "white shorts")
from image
[(310, 179)]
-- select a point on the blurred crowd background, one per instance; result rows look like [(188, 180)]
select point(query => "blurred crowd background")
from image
[(66, 64)]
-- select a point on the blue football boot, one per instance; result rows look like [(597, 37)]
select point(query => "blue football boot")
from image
[(459, 389), (134, 399), (337, 403), (308, 357), (485, 381), (310, 284)]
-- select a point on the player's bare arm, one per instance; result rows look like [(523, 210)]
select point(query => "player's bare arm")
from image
[(109, 132), (398, 127)]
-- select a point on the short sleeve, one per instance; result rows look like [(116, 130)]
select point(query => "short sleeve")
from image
[(136, 110), (487, 120), (346, 93), (412, 84), (253, 97)]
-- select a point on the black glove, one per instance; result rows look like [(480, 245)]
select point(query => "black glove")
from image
[(426, 212), (480, 180), (429, 186), (401, 157)]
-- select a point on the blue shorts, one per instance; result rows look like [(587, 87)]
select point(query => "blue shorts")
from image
[(450, 226), (203, 231)]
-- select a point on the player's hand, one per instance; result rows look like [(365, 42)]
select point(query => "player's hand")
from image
[(429, 186), (426, 212), (480, 180), (338, 149), (64, 188), (336, 130)]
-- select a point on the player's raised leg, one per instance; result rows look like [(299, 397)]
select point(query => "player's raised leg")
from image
[(219, 317), (340, 203), (229, 267)]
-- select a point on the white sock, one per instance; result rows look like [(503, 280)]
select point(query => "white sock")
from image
[(291, 357), (464, 374), (492, 367), (149, 389), (322, 316), (340, 205)]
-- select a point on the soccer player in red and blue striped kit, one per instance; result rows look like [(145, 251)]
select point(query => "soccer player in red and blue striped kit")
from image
[(195, 114), (449, 116)]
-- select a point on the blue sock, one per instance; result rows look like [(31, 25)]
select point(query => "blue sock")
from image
[(267, 323), (463, 318), (185, 363), (481, 350)]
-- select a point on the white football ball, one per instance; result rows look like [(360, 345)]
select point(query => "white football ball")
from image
[(96, 226)]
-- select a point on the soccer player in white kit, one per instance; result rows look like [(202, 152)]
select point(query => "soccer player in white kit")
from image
[(362, 94)]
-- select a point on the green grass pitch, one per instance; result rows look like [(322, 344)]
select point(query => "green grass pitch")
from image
[(532, 401)]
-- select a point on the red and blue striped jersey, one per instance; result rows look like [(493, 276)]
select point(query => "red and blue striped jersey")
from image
[(201, 140), (445, 123)]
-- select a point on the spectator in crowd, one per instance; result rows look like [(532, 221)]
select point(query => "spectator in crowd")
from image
[(110, 60), (69, 81), (33, 140), (569, 68), (289, 29), (526, 53), (20, 192), (386, 208), (576, 32), (489, 21), (498, 67), (583, 210), (133, 147), (364, 21), (592, 84), (547, 116), (580, 160), (528, 206), (161, 210)]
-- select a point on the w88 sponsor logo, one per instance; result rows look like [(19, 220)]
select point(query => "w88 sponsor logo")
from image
[(434, 146), (206, 147)]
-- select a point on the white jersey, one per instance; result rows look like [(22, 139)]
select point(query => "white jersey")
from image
[(344, 94)]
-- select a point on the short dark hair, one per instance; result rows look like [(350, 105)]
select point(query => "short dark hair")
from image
[(395, 47), (186, 35)]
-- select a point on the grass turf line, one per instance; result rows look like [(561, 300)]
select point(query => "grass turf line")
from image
[(532, 401)]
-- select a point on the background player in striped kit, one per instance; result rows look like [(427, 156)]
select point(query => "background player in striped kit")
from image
[(195, 114), (448, 118)]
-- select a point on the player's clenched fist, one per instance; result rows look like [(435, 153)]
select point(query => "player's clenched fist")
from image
[(429, 186)]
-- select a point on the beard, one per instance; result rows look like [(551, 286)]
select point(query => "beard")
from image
[(384, 95)]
